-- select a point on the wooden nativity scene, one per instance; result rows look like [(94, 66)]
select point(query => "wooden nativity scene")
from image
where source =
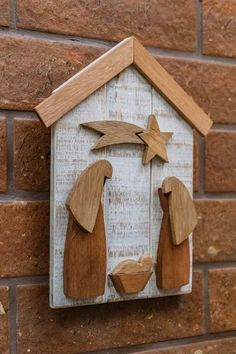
[(121, 207)]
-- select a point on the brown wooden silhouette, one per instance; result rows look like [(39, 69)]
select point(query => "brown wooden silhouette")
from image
[(173, 261)]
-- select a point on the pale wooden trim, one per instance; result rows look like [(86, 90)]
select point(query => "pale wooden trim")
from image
[(164, 83), (88, 80), (128, 52)]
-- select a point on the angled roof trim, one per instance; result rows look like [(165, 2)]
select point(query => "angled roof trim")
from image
[(110, 64)]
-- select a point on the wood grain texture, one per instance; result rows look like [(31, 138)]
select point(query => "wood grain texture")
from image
[(114, 132), (83, 84), (132, 211), (128, 52), (85, 197), (180, 154), (173, 262), (155, 141), (130, 283), (164, 83), (144, 264), (85, 259), (183, 216)]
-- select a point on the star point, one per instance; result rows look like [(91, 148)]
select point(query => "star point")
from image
[(155, 141)]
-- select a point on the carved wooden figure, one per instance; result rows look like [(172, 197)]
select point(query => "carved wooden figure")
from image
[(130, 276), (183, 216), (173, 262), (85, 247), (115, 96)]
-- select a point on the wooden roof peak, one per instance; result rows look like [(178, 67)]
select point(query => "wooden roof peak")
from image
[(92, 77)]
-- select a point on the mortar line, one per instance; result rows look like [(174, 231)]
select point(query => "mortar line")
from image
[(206, 301), (13, 14), (35, 279), (10, 155), (99, 43), (168, 344), (24, 280), (12, 319), (214, 265), (199, 26), (201, 168), (224, 127), (215, 195), (24, 196)]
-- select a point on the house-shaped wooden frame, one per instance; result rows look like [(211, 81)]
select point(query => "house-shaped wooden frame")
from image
[(126, 84)]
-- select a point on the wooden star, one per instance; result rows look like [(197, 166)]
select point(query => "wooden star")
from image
[(155, 141)]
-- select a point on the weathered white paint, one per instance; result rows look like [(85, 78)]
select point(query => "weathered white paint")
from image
[(131, 205)]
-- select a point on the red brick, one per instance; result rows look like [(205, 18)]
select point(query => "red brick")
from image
[(220, 162), (48, 64), (222, 346), (161, 23), (222, 298), (4, 12), (203, 81), (27, 79), (3, 155), (219, 27), (215, 235), (196, 162), (31, 155), (4, 326), (24, 238), (75, 330)]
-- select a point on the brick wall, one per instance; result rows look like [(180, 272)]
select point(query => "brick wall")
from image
[(43, 43)]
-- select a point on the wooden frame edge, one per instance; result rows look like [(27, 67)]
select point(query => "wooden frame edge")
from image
[(92, 77), (165, 84), (88, 80)]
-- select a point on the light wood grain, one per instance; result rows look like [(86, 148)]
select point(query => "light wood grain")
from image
[(131, 276), (173, 262), (164, 83), (115, 132), (128, 52), (130, 283), (144, 264), (155, 141), (132, 215), (183, 216), (85, 197), (85, 259), (88, 80)]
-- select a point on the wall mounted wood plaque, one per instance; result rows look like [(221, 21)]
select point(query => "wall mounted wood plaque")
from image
[(124, 85)]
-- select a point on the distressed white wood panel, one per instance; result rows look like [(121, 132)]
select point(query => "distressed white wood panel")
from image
[(132, 214), (129, 99), (180, 165)]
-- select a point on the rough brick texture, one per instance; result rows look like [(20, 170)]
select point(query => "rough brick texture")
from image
[(47, 331), (31, 155), (222, 292), (4, 12), (32, 65), (219, 27), (215, 234), (4, 308), (220, 162), (3, 155), (203, 81), (24, 238), (161, 23), (27, 79), (49, 63), (223, 346)]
